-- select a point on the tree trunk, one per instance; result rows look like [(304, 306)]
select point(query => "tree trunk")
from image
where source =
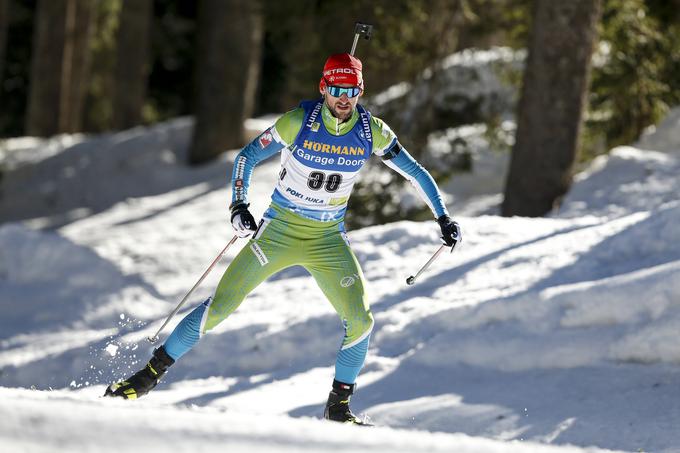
[(59, 67), (76, 65), (551, 105), (132, 66), (228, 63), (45, 81), (4, 26)]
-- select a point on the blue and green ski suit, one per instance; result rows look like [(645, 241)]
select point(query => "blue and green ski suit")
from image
[(321, 158)]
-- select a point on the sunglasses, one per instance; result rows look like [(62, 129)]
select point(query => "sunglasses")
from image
[(337, 91)]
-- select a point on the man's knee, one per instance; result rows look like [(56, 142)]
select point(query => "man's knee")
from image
[(223, 304), (358, 328), (367, 321)]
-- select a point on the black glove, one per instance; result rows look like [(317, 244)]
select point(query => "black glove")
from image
[(242, 220), (450, 231)]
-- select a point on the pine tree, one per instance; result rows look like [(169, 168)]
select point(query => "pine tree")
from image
[(227, 69), (75, 69), (59, 67), (132, 65), (4, 26), (551, 105)]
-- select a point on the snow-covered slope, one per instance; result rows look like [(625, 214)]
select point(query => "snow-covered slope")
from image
[(561, 330), (58, 422)]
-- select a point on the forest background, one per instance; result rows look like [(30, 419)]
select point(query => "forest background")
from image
[(604, 70)]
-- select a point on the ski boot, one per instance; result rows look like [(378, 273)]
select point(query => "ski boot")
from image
[(337, 408), (144, 380)]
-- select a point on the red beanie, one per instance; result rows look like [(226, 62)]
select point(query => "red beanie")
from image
[(342, 68)]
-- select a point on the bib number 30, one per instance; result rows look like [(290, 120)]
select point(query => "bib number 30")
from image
[(317, 180)]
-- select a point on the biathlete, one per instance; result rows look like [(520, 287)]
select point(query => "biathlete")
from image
[(324, 144)]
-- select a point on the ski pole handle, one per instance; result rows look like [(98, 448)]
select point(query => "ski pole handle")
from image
[(154, 338), (412, 279)]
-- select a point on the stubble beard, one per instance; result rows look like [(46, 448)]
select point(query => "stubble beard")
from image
[(342, 117)]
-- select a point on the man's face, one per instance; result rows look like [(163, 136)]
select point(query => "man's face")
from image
[(343, 106)]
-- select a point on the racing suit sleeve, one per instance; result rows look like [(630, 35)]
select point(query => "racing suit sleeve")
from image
[(398, 159), (264, 146)]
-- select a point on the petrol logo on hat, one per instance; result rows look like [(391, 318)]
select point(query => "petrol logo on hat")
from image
[(340, 70), (343, 75)]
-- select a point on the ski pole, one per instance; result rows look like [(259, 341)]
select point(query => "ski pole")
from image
[(412, 279), (360, 30), (154, 338)]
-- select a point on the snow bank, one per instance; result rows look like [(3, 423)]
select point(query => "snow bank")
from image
[(624, 181), (93, 174), (470, 86), (630, 179), (554, 330), (665, 136), (58, 422)]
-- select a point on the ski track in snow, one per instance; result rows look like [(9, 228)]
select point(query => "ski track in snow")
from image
[(561, 330)]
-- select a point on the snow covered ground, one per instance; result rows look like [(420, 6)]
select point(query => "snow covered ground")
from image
[(554, 334)]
